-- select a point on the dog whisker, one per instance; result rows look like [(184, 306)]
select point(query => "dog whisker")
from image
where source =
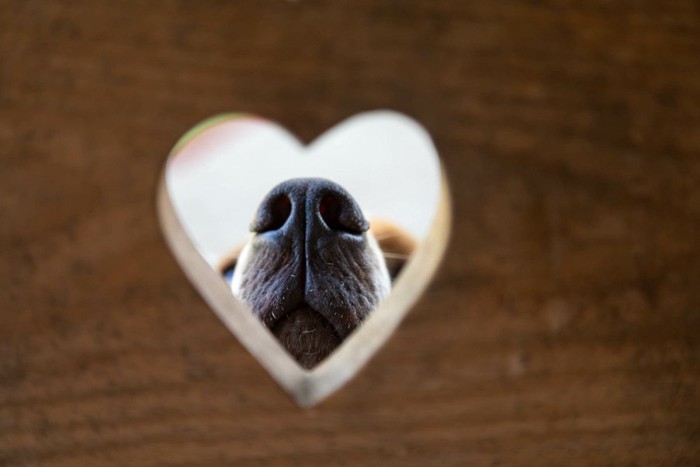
[(386, 235), (395, 256)]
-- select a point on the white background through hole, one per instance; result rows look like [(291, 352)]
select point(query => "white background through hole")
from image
[(217, 179)]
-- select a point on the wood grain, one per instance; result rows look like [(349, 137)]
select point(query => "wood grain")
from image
[(562, 328)]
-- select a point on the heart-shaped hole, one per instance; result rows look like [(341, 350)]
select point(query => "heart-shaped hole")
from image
[(311, 255)]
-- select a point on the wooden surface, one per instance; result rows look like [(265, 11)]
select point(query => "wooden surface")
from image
[(562, 329)]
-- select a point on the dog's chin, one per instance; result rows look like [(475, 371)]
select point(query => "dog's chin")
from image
[(306, 335)]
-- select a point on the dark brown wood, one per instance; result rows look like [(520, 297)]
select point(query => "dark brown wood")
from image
[(562, 328)]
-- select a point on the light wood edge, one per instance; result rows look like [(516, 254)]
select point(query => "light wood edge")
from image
[(235, 315), (415, 277), (308, 388)]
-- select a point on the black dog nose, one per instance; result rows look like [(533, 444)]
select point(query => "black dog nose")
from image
[(311, 206)]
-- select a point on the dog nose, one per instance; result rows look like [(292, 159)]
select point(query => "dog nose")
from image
[(309, 206)]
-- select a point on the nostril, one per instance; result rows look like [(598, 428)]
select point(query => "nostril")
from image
[(275, 214), (338, 218), (329, 208)]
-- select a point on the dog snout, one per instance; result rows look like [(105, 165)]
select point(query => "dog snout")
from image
[(312, 268)]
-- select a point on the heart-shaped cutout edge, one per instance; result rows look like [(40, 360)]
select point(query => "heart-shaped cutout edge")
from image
[(307, 387)]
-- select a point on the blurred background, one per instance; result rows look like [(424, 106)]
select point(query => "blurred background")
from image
[(561, 328)]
